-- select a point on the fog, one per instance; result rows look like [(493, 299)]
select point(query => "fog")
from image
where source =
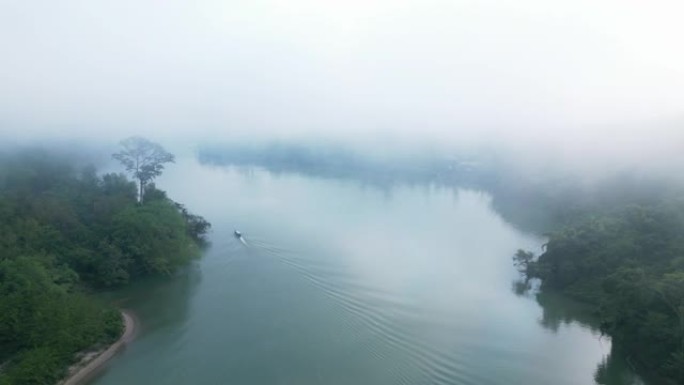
[(588, 83)]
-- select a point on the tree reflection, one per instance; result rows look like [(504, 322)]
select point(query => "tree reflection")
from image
[(160, 302), (559, 311), (615, 370)]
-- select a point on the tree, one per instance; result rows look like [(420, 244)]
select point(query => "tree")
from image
[(152, 238), (143, 159), (524, 261)]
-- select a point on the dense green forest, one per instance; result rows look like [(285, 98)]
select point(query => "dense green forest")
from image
[(65, 232), (627, 259)]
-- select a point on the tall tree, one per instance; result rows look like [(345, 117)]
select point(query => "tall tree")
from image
[(143, 159)]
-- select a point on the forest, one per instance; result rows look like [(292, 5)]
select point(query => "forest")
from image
[(627, 260), (67, 232)]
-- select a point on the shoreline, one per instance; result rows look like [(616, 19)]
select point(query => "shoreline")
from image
[(84, 373)]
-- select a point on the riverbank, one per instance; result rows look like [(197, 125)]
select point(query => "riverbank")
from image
[(93, 361)]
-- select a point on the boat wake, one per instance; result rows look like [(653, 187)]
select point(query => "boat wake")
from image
[(363, 302)]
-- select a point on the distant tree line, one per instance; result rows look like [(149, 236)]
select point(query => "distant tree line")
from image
[(64, 232), (339, 162)]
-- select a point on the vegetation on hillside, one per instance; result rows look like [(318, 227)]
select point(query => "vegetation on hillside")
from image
[(629, 263), (66, 231)]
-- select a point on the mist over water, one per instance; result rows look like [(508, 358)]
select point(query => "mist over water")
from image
[(589, 85), (394, 267), (338, 283)]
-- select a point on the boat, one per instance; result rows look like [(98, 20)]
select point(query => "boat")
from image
[(238, 234)]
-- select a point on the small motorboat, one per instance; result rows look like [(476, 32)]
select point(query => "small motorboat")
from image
[(238, 234)]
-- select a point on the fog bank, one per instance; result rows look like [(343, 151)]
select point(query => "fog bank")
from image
[(586, 83)]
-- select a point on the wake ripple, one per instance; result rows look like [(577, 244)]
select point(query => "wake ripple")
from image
[(381, 312)]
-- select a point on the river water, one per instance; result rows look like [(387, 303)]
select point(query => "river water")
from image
[(340, 283)]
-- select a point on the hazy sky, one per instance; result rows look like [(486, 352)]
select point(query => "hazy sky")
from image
[(606, 73)]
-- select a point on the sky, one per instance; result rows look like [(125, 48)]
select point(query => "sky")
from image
[(573, 77)]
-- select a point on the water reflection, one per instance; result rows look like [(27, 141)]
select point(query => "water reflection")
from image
[(513, 205), (614, 369), (522, 288), (559, 311), (162, 309)]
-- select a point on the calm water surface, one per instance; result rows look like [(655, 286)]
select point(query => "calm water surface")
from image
[(340, 284)]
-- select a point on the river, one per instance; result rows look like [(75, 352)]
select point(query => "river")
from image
[(340, 283)]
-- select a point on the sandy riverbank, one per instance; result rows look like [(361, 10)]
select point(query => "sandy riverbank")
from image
[(90, 365)]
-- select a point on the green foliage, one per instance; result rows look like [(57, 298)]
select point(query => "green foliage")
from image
[(62, 231), (629, 263), (196, 225), (153, 237), (37, 367), (42, 324)]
